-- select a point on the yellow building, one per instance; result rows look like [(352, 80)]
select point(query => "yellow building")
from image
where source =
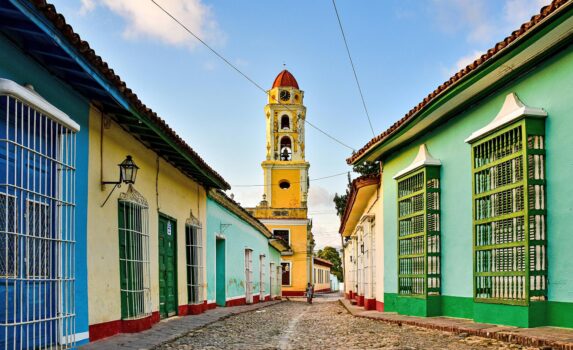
[(147, 253), (283, 208)]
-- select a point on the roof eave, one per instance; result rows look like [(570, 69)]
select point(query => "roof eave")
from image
[(468, 76)]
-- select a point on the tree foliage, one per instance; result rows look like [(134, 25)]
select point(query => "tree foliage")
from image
[(332, 255), (367, 168)]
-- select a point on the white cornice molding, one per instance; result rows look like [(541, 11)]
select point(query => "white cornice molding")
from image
[(512, 110), (285, 222), (33, 99), (424, 158)]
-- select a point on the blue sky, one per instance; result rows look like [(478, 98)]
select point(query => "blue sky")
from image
[(402, 49)]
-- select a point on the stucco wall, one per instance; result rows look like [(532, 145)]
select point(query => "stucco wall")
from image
[(286, 198), (299, 261), (275, 257), (378, 211), (16, 66), (549, 86), (325, 283), (176, 196), (238, 236)]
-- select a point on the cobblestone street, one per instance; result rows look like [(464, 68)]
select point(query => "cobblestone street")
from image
[(323, 325)]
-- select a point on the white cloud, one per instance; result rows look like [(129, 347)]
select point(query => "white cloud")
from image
[(460, 64), (483, 25), (517, 12), (464, 15), (145, 20), (319, 197), (482, 28)]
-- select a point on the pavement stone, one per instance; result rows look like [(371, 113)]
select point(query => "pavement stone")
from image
[(170, 329), (322, 325)]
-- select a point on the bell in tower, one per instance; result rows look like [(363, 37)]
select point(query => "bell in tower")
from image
[(286, 149)]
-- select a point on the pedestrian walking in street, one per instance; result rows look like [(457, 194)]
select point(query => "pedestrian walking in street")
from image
[(309, 293)]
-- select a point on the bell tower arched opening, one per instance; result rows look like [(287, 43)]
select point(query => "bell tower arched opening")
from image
[(285, 122), (286, 148)]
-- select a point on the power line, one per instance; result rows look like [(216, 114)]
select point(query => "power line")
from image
[(243, 74), (353, 69), (296, 182)]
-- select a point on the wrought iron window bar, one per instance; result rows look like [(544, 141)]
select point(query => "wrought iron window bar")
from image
[(509, 224), (419, 233)]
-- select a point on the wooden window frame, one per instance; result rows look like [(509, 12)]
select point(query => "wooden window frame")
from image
[(510, 246), (419, 256)]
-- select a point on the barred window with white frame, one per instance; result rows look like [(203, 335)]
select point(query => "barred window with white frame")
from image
[(37, 221), (134, 255), (194, 248), (39, 243), (9, 240), (262, 275)]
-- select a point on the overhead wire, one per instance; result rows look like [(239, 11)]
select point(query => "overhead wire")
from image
[(353, 68), (297, 182), (182, 25)]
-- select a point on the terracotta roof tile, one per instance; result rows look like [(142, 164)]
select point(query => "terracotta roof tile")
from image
[(544, 13), (83, 47)]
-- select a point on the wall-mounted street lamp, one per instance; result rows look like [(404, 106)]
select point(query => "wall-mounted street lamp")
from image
[(127, 175)]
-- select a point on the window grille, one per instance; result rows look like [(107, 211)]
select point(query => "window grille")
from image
[(134, 255), (272, 280), (37, 218), (249, 275), (286, 271), (372, 260), (510, 261), (419, 233), (262, 276), (279, 275), (360, 262), (194, 248)]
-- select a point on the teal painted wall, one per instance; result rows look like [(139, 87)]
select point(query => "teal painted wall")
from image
[(238, 236), (17, 66), (549, 86), (276, 259)]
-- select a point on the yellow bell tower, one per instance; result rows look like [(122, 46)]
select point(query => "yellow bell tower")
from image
[(285, 169), (284, 206)]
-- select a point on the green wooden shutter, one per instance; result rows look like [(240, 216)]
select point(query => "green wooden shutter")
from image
[(509, 234), (419, 233)]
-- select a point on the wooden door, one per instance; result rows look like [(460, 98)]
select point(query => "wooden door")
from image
[(167, 267)]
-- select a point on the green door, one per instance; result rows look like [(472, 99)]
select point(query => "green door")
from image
[(167, 267)]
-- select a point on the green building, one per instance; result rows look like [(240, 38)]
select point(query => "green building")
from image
[(243, 258), (476, 186)]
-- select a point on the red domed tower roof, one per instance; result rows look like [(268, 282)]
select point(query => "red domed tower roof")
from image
[(285, 79)]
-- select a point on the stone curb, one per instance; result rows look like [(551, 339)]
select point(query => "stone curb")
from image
[(149, 339), (502, 334)]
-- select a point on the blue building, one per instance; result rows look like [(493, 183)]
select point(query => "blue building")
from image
[(43, 206)]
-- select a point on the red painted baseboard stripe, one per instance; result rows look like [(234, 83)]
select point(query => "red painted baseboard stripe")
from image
[(107, 329), (369, 304)]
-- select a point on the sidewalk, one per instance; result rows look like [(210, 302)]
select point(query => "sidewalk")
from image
[(170, 329), (548, 337)]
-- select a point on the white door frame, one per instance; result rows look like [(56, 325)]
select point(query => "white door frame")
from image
[(249, 275)]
